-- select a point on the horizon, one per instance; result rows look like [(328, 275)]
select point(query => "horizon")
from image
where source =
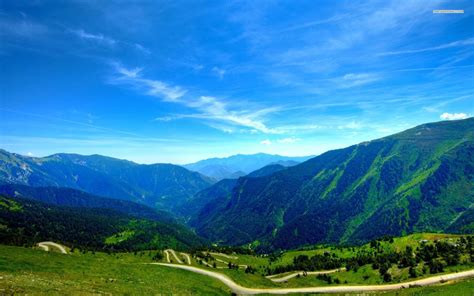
[(157, 82), (216, 157)]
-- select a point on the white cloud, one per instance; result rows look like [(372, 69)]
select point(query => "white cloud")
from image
[(208, 107), (289, 140), (219, 72), (142, 49), (350, 125), (352, 79), (94, 37), (453, 116), (29, 154), (266, 142), (469, 41)]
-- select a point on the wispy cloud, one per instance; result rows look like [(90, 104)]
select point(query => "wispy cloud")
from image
[(289, 140), (219, 72), (453, 116), (266, 142), (99, 38), (208, 107), (458, 43), (151, 87), (352, 79), (351, 125)]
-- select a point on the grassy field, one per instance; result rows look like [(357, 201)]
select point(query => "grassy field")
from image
[(28, 270)]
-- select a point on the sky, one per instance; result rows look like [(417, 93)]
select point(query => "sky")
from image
[(179, 81)]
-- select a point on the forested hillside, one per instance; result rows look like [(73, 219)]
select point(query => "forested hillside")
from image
[(26, 222), (418, 180), (163, 186)]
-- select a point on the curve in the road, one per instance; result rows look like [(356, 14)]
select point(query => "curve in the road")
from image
[(46, 245), (174, 255), (167, 256), (236, 288), (276, 279), (188, 258), (224, 255)]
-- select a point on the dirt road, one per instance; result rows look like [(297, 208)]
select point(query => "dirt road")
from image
[(46, 245), (174, 255), (276, 279), (238, 289)]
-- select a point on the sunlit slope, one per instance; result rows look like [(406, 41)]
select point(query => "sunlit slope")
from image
[(418, 180)]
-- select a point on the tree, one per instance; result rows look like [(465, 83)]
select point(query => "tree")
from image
[(387, 277), (412, 272)]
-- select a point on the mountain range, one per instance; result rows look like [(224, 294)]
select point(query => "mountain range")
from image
[(418, 180), (240, 165), (163, 186)]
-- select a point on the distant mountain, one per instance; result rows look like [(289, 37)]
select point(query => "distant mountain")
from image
[(219, 192), (26, 222), (163, 186), (240, 164), (79, 199), (266, 170), (418, 180)]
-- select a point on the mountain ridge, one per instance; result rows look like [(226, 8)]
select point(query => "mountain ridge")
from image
[(335, 197)]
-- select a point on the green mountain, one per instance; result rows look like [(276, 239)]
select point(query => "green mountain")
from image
[(240, 165), (79, 199), (162, 186), (419, 180), (26, 222), (218, 193)]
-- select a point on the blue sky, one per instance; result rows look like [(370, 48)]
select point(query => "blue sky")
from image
[(179, 81)]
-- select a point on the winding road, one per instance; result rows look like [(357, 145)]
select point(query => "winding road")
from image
[(224, 255), (46, 245), (188, 258), (174, 255), (238, 289), (301, 273)]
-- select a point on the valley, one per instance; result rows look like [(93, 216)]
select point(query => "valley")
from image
[(390, 214), (202, 272)]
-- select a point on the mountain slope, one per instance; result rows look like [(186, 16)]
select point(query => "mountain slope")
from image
[(163, 186), (418, 180), (79, 199), (240, 165), (219, 192), (26, 222)]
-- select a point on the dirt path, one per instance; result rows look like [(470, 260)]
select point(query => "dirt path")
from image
[(275, 278), (224, 255), (46, 245), (174, 255), (188, 258), (238, 289), (167, 256)]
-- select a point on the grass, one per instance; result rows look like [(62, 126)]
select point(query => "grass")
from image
[(26, 270)]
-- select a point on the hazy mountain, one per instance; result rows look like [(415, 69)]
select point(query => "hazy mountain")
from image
[(240, 164), (163, 186), (418, 180)]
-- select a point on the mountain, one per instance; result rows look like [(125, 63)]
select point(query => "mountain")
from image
[(163, 186), (240, 165), (26, 222), (418, 180), (218, 192), (79, 199)]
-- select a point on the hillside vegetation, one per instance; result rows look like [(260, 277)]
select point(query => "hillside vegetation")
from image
[(27, 222), (163, 186), (418, 180)]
